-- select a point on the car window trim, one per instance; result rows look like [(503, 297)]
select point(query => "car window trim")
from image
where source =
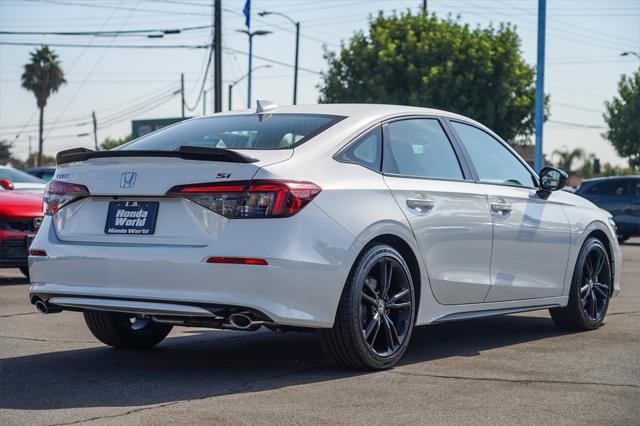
[(534, 175)]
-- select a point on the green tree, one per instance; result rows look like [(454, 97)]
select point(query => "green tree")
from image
[(109, 143), (6, 156), (43, 76), (567, 158), (622, 116), (426, 61)]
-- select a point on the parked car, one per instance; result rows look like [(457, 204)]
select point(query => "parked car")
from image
[(44, 173), (20, 217), (20, 181), (358, 221), (620, 196)]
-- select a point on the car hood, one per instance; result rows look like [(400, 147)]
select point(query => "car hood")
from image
[(20, 204)]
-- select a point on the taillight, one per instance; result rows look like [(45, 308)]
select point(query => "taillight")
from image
[(58, 194), (250, 199)]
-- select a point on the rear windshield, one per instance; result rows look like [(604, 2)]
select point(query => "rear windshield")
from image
[(17, 176), (278, 131)]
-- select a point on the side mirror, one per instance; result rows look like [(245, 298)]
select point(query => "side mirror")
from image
[(551, 179), (6, 184)]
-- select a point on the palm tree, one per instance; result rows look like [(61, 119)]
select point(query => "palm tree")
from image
[(43, 76), (567, 158)]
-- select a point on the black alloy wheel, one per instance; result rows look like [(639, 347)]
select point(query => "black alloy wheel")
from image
[(591, 289), (376, 313)]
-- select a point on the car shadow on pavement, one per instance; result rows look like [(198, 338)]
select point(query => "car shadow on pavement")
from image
[(212, 363)]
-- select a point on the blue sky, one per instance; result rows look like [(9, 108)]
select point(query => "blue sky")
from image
[(584, 42)]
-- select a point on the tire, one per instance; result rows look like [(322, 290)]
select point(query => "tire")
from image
[(24, 270), (119, 331), (590, 290), (385, 317)]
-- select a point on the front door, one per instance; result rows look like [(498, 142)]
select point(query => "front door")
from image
[(531, 235), (449, 216)]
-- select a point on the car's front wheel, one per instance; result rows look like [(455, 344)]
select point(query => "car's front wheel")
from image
[(590, 290), (376, 313), (125, 331)]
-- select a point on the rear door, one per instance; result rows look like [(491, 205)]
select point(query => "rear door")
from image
[(449, 215), (531, 235)]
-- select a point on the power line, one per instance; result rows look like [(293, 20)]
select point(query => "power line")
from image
[(100, 6), (107, 33), (204, 82), (91, 71), (577, 107), (113, 46), (273, 61), (580, 125)]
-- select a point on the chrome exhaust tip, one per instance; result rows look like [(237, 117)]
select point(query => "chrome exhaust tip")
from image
[(42, 307), (241, 321)]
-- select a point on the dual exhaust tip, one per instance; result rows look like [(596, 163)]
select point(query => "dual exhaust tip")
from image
[(240, 321)]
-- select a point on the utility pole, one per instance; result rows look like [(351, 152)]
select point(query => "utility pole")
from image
[(95, 129), (29, 158), (182, 93), (204, 102), (424, 7), (295, 70), (229, 95), (542, 12), (217, 58)]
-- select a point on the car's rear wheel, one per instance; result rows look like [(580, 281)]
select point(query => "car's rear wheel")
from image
[(125, 331), (376, 313), (590, 290)]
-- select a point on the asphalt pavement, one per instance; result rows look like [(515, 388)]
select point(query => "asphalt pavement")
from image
[(513, 369)]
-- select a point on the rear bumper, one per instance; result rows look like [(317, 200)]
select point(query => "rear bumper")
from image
[(308, 255)]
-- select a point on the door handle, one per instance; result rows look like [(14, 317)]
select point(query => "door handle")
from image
[(420, 204), (502, 208)]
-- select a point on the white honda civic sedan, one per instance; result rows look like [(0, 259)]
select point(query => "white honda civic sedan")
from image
[(359, 221)]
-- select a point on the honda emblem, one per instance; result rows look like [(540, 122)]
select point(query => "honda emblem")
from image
[(128, 179)]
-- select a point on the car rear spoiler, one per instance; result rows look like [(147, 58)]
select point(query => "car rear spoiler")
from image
[(184, 152)]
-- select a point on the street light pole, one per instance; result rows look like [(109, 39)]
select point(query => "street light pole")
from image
[(539, 101), (295, 69), (233, 83), (636, 54), (251, 34), (297, 50)]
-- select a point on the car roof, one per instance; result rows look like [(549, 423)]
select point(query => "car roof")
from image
[(608, 178), (357, 111)]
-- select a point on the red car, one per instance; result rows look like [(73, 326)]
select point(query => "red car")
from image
[(20, 217)]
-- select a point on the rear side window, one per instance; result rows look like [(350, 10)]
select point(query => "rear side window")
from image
[(420, 147), (494, 163), (613, 188), (17, 176), (367, 151), (278, 131)]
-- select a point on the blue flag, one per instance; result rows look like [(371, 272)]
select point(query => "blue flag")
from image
[(247, 13)]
